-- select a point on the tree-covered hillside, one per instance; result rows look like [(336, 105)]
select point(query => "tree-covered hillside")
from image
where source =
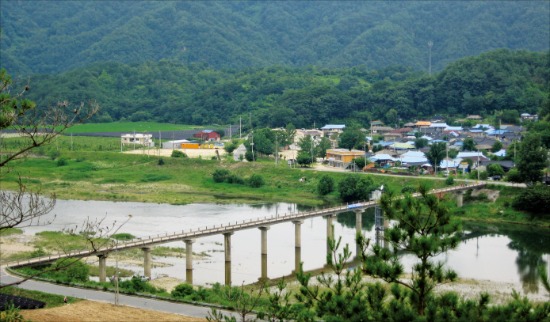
[(55, 36), (502, 81)]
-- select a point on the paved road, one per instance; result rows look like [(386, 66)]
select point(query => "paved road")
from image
[(93, 295)]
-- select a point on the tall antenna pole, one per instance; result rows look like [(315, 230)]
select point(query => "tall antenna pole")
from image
[(430, 45)]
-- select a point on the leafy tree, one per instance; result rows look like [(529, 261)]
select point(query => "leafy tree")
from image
[(360, 162), (495, 169), (355, 188), (436, 154), (324, 145), (497, 146), (351, 138), (307, 150), (469, 145), (304, 158), (419, 143), (325, 185), (534, 199), (264, 141), (532, 159), (423, 228)]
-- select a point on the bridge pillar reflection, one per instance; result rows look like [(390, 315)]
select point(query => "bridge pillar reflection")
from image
[(264, 230), (102, 267), (146, 261), (330, 232), (227, 250), (297, 244), (189, 260), (459, 198), (358, 230)]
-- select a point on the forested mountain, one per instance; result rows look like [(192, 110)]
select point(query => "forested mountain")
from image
[(56, 36), (494, 82)]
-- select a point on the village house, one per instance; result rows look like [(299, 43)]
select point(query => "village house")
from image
[(137, 139), (341, 158), (207, 135)]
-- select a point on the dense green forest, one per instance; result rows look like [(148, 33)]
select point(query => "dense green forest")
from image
[(56, 36), (495, 82)]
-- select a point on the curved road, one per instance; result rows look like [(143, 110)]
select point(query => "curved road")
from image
[(101, 296)]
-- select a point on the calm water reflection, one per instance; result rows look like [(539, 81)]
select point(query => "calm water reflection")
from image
[(502, 253)]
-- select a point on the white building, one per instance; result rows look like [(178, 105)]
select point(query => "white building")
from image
[(137, 139)]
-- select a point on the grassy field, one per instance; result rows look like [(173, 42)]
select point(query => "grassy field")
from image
[(140, 127), (94, 168)]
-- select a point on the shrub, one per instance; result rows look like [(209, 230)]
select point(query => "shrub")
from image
[(534, 199), (233, 178), (178, 154), (449, 181), (67, 271), (256, 181), (138, 285), (161, 161), (182, 290), (408, 189), (325, 185), (220, 175), (62, 162)]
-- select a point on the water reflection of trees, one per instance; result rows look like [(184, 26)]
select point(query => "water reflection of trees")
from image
[(347, 219), (529, 243)]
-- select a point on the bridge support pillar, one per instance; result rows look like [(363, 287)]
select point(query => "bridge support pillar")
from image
[(297, 244), (264, 230), (330, 233), (189, 260), (227, 250), (358, 231), (146, 261), (102, 267), (459, 198)]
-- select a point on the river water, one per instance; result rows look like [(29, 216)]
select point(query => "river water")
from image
[(501, 253)]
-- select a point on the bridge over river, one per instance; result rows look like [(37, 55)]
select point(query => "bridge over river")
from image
[(227, 230)]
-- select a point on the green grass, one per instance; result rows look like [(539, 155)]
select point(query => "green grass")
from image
[(130, 127), (51, 300), (10, 231)]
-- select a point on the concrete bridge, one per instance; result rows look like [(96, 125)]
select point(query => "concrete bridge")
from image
[(229, 229)]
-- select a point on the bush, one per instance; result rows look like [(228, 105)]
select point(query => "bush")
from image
[(161, 161), (355, 188), (256, 181), (178, 154), (449, 181), (220, 175), (408, 189), (325, 185), (495, 169), (233, 178), (62, 162), (67, 271), (535, 200), (138, 285), (182, 290)]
